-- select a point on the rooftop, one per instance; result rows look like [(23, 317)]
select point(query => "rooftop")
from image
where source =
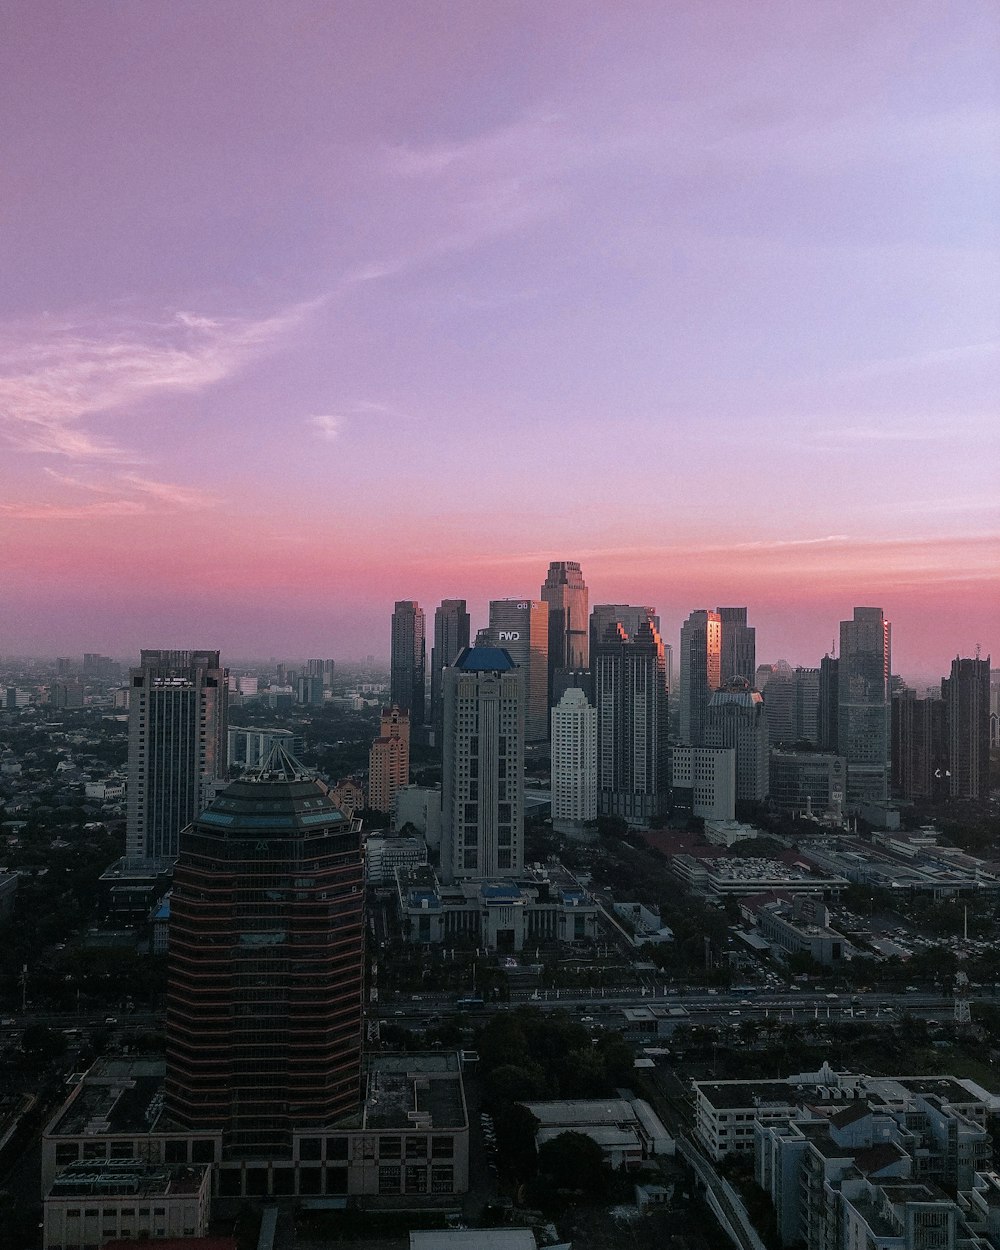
[(485, 660), (404, 1091), (109, 1177)]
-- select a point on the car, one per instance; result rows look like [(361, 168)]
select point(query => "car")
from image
[(735, 1013)]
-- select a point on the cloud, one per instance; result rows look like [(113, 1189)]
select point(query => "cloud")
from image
[(57, 377), (328, 426), (180, 497), (81, 512)]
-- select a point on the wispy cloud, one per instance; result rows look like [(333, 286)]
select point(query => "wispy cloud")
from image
[(327, 426), (330, 425), (79, 512), (58, 377), (184, 498)]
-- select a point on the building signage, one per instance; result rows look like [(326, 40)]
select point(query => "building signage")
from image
[(509, 635)]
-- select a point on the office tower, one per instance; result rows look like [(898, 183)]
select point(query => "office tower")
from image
[(994, 708), (323, 669), (176, 748), (967, 700), (566, 593), (309, 690), (700, 675), (805, 711), (521, 627), (863, 721), (389, 759), (248, 748), (630, 680), (919, 747), (266, 954), (482, 807), (574, 759), (738, 645), (407, 676), (827, 704), (737, 718), (628, 615), (808, 781), (703, 781), (451, 637)]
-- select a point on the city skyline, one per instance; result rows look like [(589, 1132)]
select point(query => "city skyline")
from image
[(639, 254)]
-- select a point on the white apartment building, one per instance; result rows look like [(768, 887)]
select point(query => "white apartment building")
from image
[(574, 759)]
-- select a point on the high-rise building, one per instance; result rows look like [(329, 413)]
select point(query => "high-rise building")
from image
[(521, 627), (407, 670), (738, 645), (863, 723), (629, 616), (451, 637), (265, 962), (700, 673), (309, 690), (792, 698), (482, 808), (919, 747), (389, 759), (323, 669), (703, 781), (994, 708), (566, 593), (737, 718), (967, 701), (574, 759), (630, 680), (827, 704), (177, 748)]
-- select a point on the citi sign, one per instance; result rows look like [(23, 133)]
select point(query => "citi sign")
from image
[(509, 635)]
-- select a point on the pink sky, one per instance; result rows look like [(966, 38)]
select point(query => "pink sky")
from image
[(309, 307)]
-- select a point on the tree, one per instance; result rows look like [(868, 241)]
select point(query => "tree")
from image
[(573, 1161), (514, 1082)]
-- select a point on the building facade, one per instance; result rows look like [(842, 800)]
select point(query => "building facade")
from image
[(408, 660), (700, 672), (482, 809), (919, 747), (574, 760), (521, 628), (738, 645), (177, 747), (568, 599), (814, 782), (630, 682), (451, 637), (863, 724), (265, 964), (703, 781), (737, 718), (389, 759), (249, 747), (967, 702)]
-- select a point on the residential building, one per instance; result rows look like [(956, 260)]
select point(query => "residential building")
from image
[(700, 672), (264, 1005), (521, 628), (967, 701), (920, 767), (630, 683), (703, 781), (863, 726), (482, 834), (177, 725), (568, 600), (737, 718), (738, 646), (389, 759), (408, 661), (451, 637), (574, 760), (249, 747), (630, 617)]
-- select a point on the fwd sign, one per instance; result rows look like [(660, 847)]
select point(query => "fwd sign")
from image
[(509, 635)]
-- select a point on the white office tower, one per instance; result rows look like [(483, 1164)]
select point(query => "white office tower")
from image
[(737, 718), (482, 810), (177, 749), (574, 760)]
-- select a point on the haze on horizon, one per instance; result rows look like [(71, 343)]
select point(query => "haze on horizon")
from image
[(311, 307)]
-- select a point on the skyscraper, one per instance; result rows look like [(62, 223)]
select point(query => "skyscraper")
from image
[(566, 593), (629, 616), (700, 674), (738, 645), (264, 993), (521, 627), (451, 637), (482, 810), (737, 717), (574, 759), (389, 759), (177, 747), (863, 721), (967, 707), (919, 747), (630, 680), (827, 704), (407, 666)]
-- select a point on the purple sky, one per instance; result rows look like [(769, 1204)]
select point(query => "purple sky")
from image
[(308, 307)]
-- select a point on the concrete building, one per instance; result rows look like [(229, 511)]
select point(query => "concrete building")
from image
[(574, 760), (863, 727), (802, 927), (920, 766), (389, 759), (408, 661), (700, 673), (628, 1131), (812, 782), (703, 781), (383, 856), (568, 599), (630, 684), (738, 646), (966, 695), (737, 718), (347, 796), (827, 704), (419, 806), (451, 637), (521, 628), (482, 810), (247, 748), (177, 724)]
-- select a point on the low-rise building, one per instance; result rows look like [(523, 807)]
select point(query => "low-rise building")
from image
[(627, 1130), (384, 855), (802, 927)]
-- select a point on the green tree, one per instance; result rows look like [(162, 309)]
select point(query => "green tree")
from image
[(573, 1161)]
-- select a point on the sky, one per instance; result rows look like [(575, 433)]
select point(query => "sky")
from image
[(308, 307)]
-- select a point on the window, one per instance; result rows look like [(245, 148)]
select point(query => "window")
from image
[(67, 1152), (443, 1147), (416, 1148), (310, 1148), (390, 1148), (442, 1180), (416, 1180), (175, 1152), (388, 1180), (336, 1148)]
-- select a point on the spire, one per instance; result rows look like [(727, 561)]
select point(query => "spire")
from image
[(280, 765)]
